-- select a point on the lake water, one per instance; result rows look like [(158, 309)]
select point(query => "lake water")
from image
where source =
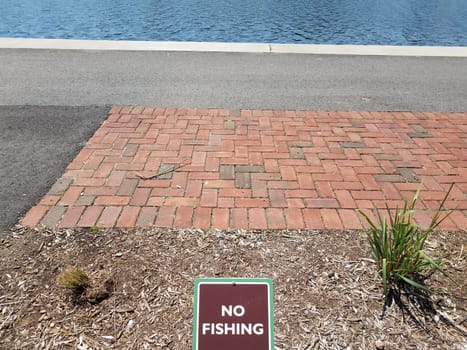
[(373, 22)]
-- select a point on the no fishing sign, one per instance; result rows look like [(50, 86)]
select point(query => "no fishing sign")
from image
[(233, 314)]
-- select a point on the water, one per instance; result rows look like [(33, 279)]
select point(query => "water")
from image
[(373, 22)]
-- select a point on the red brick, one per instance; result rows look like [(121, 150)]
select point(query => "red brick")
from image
[(294, 218), (165, 217), (223, 202), (140, 196), (288, 173), (90, 216), (71, 216), (331, 219), (257, 219), (34, 215), (277, 198), (219, 184), (89, 182), (71, 195), (350, 219), (112, 200), (235, 192), (179, 202), (368, 182), (109, 216), (301, 194), (251, 203), (367, 195), (275, 218), (209, 197), (183, 217), (128, 217), (146, 217), (305, 181), (202, 218), (239, 218), (313, 219), (221, 218), (49, 200), (324, 189), (321, 203), (193, 188), (156, 201), (345, 199)]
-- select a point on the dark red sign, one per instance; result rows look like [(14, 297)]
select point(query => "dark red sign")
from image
[(233, 314)]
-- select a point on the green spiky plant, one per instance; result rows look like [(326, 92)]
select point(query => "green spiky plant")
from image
[(398, 249)]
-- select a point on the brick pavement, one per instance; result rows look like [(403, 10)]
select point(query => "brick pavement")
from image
[(258, 169)]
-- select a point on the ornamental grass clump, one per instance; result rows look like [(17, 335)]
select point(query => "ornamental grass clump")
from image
[(73, 279), (398, 250)]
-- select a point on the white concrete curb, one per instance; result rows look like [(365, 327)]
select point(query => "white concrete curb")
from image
[(366, 50)]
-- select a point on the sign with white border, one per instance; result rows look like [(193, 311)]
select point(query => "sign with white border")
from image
[(233, 314)]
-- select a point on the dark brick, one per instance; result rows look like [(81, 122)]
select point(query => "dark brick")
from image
[(242, 180), (408, 174), (249, 169), (389, 178), (296, 153), (227, 172), (350, 144), (166, 171), (300, 144), (60, 186), (229, 125), (357, 123), (53, 216)]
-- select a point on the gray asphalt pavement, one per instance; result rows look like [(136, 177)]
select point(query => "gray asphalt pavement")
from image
[(36, 144), (232, 80), (38, 141)]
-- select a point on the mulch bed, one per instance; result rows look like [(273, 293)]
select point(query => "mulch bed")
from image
[(327, 295)]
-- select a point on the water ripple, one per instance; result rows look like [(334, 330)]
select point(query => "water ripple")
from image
[(395, 22)]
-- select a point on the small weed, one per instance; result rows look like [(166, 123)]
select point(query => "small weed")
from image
[(398, 249), (95, 229), (73, 279)]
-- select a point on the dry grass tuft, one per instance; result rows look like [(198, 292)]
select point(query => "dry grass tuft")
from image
[(73, 279)]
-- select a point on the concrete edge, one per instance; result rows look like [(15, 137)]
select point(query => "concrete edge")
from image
[(106, 45)]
